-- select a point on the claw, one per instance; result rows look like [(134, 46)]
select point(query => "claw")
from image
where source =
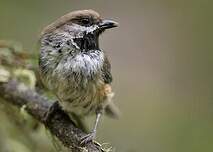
[(88, 138)]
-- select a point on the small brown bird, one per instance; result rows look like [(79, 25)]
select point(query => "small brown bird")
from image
[(73, 66)]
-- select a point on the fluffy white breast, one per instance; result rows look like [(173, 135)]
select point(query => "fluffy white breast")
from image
[(85, 63)]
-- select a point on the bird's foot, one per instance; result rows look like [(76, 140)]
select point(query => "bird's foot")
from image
[(88, 138)]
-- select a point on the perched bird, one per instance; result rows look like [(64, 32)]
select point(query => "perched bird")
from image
[(74, 68)]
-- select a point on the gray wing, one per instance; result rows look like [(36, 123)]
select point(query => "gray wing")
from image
[(106, 71), (111, 109)]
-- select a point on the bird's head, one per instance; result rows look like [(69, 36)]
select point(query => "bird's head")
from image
[(82, 27)]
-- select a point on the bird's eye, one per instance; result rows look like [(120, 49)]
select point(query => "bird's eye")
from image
[(85, 21)]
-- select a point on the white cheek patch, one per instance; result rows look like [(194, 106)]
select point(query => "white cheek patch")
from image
[(83, 29), (75, 44), (91, 29), (69, 37)]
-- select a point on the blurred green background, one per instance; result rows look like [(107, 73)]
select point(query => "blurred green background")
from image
[(161, 59)]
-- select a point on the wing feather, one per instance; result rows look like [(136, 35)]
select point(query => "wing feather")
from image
[(106, 71)]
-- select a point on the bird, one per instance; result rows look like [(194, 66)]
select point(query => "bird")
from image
[(74, 68)]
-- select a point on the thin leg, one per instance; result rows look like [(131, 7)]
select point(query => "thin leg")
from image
[(89, 137), (98, 116)]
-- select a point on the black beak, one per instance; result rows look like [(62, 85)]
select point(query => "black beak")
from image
[(107, 24)]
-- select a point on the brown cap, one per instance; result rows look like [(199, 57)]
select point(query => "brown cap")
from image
[(67, 17)]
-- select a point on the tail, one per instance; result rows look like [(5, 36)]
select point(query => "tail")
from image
[(112, 111)]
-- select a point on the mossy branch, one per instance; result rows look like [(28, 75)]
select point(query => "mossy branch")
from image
[(37, 105)]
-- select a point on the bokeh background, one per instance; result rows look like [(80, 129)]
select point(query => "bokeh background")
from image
[(162, 61)]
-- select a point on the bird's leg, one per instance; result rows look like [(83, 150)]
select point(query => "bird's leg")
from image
[(89, 137), (98, 116)]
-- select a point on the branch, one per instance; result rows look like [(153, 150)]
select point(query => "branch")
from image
[(37, 105)]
